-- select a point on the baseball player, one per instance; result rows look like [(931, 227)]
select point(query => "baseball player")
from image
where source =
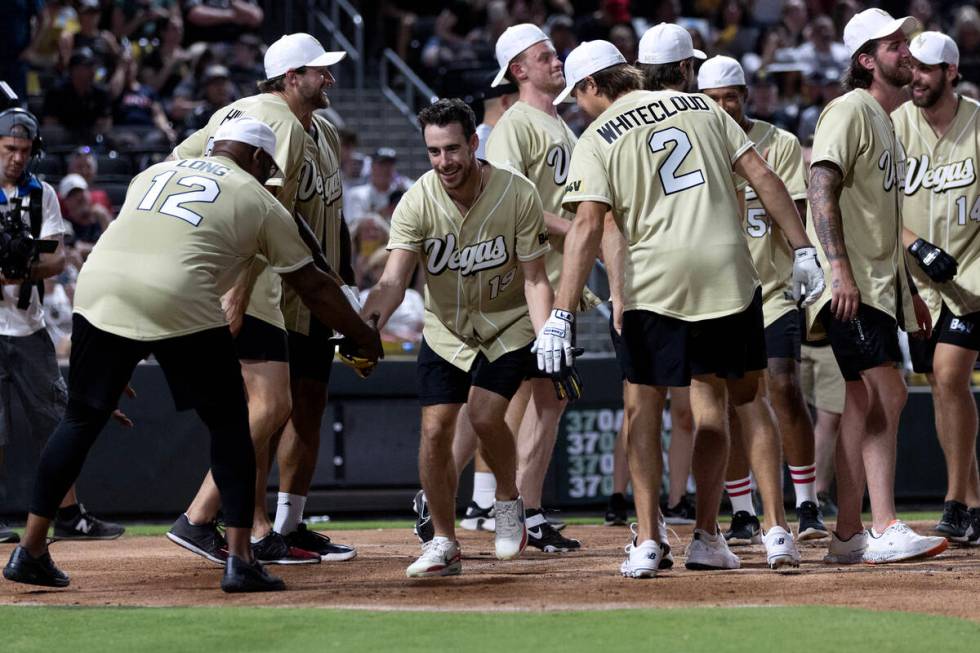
[(297, 71), (723, 80), (690, 290), (823, 389), (940, 132), (854, 194), (152, 285), (480, 233)]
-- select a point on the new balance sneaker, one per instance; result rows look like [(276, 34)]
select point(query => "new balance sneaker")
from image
[(846, 552), (811, 522), (745, 529), (682, 513), (7, 534), (85, 526), (510, 529), (827, 505), (243, 576), (440, 557), (973, 536), (477, 518), (25, 568), (203, 539), (616, 511), (545, 537), (710, 552), (424, 529), (305, 539), (273, 550), (642, 560), (781, 550), (899, 542), (955, 522)]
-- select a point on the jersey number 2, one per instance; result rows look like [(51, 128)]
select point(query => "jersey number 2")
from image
[(173, 205), (668, 169)]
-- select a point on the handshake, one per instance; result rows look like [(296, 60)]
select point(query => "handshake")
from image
[(556, 353), (360, 357)]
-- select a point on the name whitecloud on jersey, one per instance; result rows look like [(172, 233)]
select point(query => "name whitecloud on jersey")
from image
[(651, 114)]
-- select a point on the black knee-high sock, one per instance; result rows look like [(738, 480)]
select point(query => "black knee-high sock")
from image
[(232, 461), (63, 455)]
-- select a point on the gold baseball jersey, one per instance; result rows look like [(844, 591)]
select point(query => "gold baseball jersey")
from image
[(319, 202), (264, 303), (771, 252), (474, 283), (942, 200), (185, 231), (856, 135), (662, 160), (538, 146)]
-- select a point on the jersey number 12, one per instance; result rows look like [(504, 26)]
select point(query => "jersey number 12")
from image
[(207, 191)]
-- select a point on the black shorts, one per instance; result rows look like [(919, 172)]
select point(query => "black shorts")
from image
[(311, 356), (869, 340), (960, 330), (921, 351), (783, 337), (441, 382), (619, 347), (201, 368), (258, 340), (665, 351)]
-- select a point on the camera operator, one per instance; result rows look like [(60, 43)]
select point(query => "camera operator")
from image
[(28, 366)]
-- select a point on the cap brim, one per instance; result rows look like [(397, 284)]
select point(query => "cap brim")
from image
[(498, 80), (908, 26), (328, 59), (566, 94), (698, 54)]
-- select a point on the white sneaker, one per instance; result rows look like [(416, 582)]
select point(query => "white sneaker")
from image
[(899, 542), (846, 552), (642, 560), (510, 528), (440, 557), (780, 548), (665, 560), (710, 552)]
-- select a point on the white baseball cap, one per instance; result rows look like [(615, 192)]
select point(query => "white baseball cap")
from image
[(720, 71), (934, 48), (667, 43), (587, 59), (249, 131), (515, 40), (72, 182), (294, 51), (872, 24)]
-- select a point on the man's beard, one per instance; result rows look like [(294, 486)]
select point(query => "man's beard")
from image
[(898, 76), (932, 96)]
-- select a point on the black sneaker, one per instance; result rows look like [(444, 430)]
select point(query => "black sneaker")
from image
[(811, 522), (24, 568), (955, 522), (973, 536), (7, 534), (745, 529), (556, 522), (827, 505), (203, 539), (241, 576), (273, 550), (85, 526), (616, 512), (682, 513), (547, 539), (424, 528), (477, 519), (307, 540)]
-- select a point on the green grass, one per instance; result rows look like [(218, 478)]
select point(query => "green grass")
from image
[(718, 630)]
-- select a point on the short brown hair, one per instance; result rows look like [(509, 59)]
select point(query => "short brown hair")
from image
[(277, 84), (856, 75), (660, 76), (615, 81), (447, 111)]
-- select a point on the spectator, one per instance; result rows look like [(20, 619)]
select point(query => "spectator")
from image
[(376, 195), (561, 29), (219, 20), (88, 220), (103, 45), (137, 105), (966, 33), (368, 236), (598, 24), (736, 34), (354, 166), (169, 63), (821, 52), (21, 20), (624, 38), (56, 17), (82, 162), (764, 103), (792, 22), (136, 19), (405, 324), (457, 37), (216, 92), (77, 102), (245, 67), (827, 88), (922, 10)]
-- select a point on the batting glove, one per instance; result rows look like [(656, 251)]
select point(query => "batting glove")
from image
[(554, 342), (808, 281), (354, 299), (568, 384), (939, 265)]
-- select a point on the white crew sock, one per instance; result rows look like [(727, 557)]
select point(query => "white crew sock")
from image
[(804, 483), (289, 512), (484, 489), (740, 494)]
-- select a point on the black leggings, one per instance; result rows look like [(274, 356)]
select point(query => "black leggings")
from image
[(232, 458)]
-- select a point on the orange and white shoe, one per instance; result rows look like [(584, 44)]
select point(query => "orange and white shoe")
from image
[(899, 542)]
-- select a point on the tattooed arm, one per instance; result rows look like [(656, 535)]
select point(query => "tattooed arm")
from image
[(824, 194)]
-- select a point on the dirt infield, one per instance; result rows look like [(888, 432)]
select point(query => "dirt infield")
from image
[(150, 571)]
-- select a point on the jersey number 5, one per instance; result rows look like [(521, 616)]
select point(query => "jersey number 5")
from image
[(668, 169), (173, 205)]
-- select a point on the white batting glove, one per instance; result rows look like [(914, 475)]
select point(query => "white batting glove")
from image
[(808, 280), (354, 299), (555, 341)]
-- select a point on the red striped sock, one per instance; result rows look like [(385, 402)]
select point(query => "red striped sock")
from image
[(740, 493), (804, 483)]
